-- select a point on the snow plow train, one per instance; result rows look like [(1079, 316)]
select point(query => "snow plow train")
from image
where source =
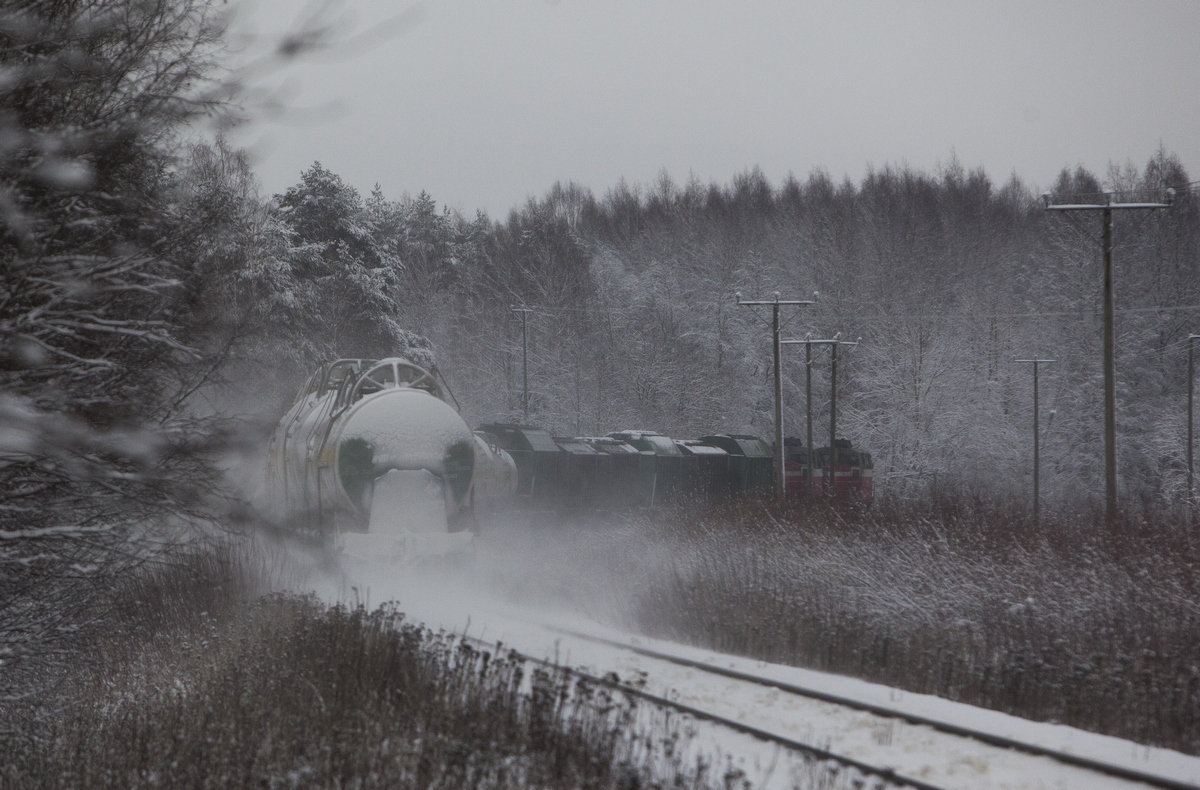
[(372, 451), (372, 448)]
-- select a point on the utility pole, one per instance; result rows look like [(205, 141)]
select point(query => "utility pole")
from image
[(775, 303), (1191, 411), (524, 313), (810, 457), (833, 343), (832, 482), (833, 414), (808, 453), (1036, 433), (1110, 365)]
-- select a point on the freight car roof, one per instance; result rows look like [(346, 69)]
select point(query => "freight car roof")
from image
[(649, 441), (694, 447), (739, 444), (575, 446), (514, 437), (607, 444)]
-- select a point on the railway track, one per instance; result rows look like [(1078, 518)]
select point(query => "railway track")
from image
[(1080, 770), (992, 739), (869, 769)]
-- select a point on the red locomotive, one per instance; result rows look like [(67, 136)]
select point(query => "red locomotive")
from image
[(853, 471)]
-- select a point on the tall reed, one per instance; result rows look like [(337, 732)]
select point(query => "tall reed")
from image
[(1075, 620)]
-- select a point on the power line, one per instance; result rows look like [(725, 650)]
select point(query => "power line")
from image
[(550, 312)]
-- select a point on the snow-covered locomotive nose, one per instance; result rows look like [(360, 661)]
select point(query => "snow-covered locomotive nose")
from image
[(404, 457), (407, 430), (372, 452)]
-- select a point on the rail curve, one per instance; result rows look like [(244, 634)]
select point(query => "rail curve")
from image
[(883, 772), (990, 738)]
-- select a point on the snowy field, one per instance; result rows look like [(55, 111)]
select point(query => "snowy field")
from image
[(472, 595)]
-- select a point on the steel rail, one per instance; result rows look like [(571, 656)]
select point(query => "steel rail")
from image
[(991, 739), (883, 772)]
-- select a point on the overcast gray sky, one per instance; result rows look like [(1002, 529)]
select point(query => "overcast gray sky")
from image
[(483, 104)]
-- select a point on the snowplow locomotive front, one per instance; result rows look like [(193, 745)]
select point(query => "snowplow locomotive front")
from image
[(373, 446)]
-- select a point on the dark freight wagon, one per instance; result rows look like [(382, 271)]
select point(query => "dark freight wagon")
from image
[(624, 479), (709, 469), (535, 453), (664, 466), (751, 463)]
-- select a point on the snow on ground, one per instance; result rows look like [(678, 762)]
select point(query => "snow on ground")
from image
[(460, 600)]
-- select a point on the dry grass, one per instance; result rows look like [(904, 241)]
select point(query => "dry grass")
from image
[(197, 683), (195, 687), (1087, 624)]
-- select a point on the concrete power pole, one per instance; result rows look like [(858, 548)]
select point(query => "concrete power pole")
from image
[(1036, 433), (775, 303), (831, 481), (1110, 367), (808, 453), (524, 313), (809, 456), (1191, 411)]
